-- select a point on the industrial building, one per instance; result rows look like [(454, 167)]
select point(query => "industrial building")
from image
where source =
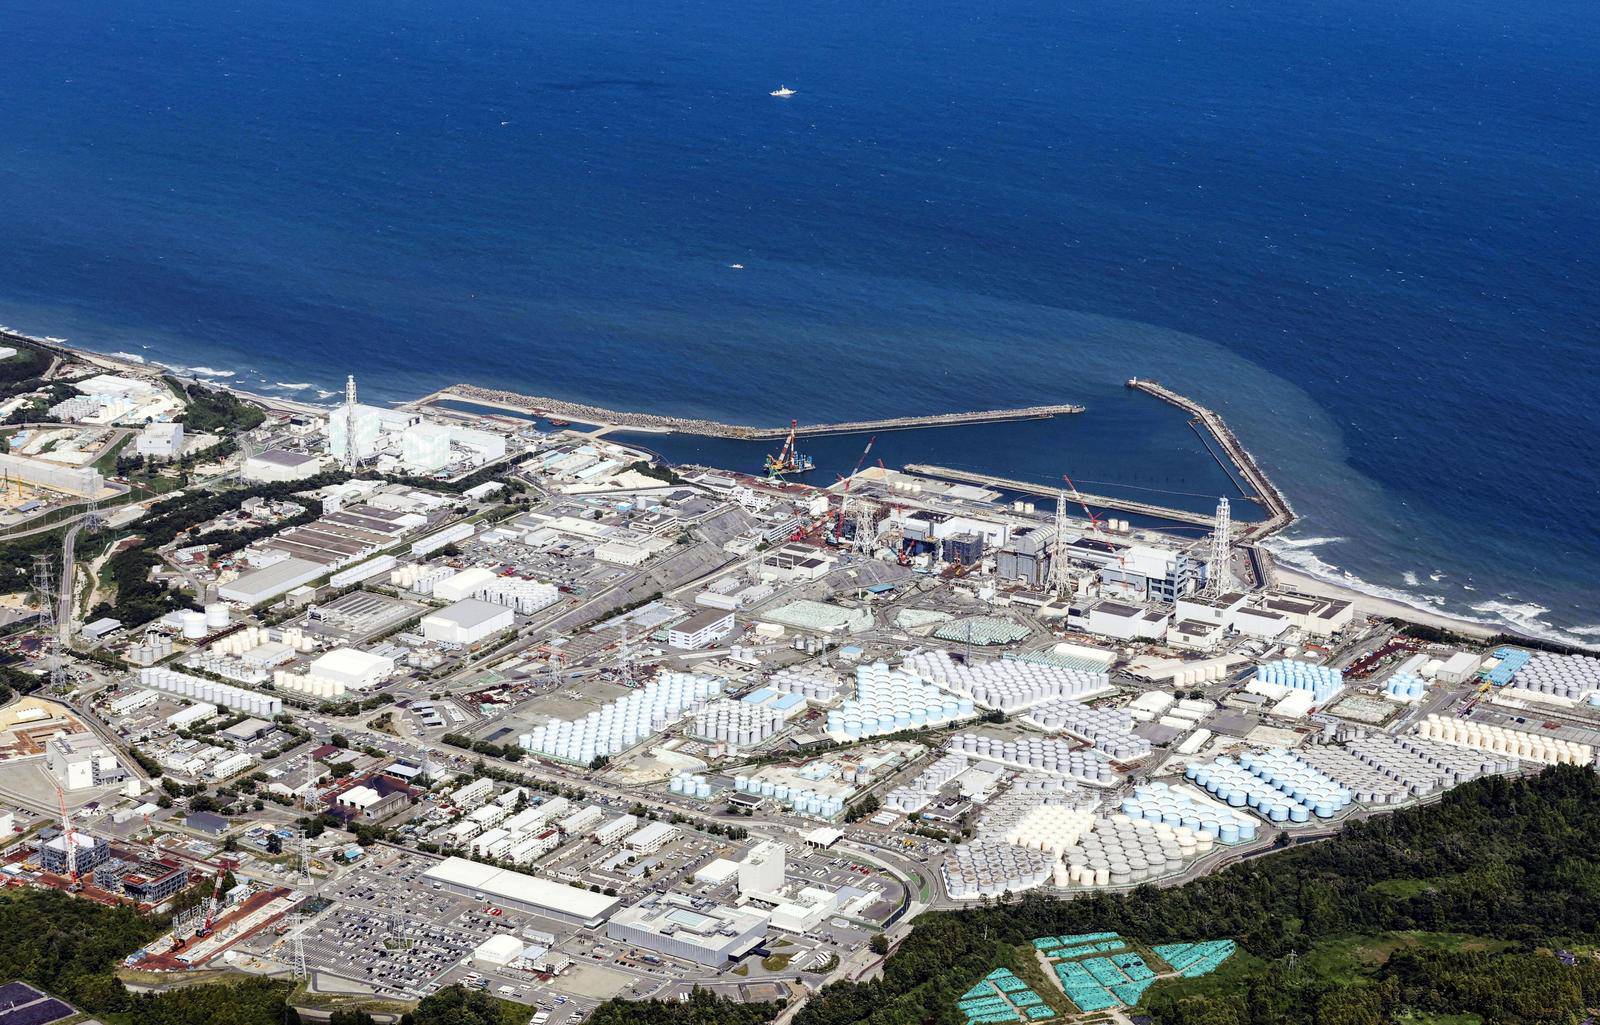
[(79, 761), (466, 622), (351, 669), (92, 852), (159, 441), (701, 629), (270, 582), (519, 890), (762, 870), (698, 931), (82, 481), (277, 465)]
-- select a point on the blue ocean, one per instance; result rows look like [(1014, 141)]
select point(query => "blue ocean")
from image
[(1368, 233)]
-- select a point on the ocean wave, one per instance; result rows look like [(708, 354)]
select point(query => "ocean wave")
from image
[(1410, 578), (301, 386), (129, 356), (321, 394), (1511, 614), (208, 372)]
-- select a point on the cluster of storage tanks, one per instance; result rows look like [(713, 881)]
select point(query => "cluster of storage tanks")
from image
[(989, 869), (737, 723), (1298, 779), (309, 684), (1052, 828), (1124, 851), (1426, 765), (1005, 684), (1322, 681), (196, 624), (1574, 677), (809, 685), (1158, 802), (1256, 786), (420, 578), (253, 637), (690, 785), (1405, 687), (153, 648), (624, 722), (1500, 740), (801, 800), (1108, 729), (888, 701), (1049, 754), (209, 691)]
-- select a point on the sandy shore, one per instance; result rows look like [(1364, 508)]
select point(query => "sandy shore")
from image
[(1380, 607)]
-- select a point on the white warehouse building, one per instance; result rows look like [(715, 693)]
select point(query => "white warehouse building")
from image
[(466, 622)]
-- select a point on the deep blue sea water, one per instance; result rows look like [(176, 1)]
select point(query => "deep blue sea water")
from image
[(1368, 233)]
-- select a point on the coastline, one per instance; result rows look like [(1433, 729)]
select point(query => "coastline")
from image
[(1378, 607), (1365, 602)]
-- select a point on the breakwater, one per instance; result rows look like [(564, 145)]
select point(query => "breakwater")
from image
[(1280, 512), (1028, 488), (600, 416)]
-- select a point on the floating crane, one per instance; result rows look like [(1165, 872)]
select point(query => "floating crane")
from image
[(789, 460)]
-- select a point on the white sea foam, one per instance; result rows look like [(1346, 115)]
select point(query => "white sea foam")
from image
[(300, 386), (1520, 617), (131, 357), (1410, 578), (208, 372)]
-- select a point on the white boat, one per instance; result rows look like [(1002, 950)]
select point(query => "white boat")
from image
[(783, 92)]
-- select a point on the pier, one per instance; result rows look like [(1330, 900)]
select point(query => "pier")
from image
[(581, 413), (1028, 488), (1280, 512)]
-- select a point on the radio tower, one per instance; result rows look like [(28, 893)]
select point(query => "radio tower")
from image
[(44, 586), (297, 927), (1221, 540), (350, 422), (1059, 581)]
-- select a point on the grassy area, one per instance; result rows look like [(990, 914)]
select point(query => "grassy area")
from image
[(1030, 970), (302, 996), (741, 971), (776, 962), (1343, 960)]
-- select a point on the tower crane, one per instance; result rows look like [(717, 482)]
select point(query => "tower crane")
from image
[(844, 496), (1094, 521), (69, 836)]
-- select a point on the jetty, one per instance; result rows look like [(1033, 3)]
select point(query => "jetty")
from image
[(1279, 512), (1028, 488), (496, 398)]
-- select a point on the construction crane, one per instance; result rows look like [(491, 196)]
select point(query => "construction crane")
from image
[(70, 837), (214, 903), (789, 460), (1095, 524), (844, 496)]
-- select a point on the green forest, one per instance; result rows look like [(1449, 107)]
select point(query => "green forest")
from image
[(1500, 870)]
